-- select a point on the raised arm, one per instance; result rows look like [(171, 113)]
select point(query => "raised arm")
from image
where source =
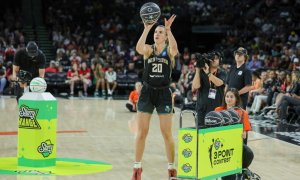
[(141, 46), (171, 39)]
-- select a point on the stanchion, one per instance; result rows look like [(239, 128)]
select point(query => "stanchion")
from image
[(37, 144), (37, 130)]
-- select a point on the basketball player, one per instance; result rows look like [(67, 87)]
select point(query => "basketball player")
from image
[(29, 59), (155, 93)]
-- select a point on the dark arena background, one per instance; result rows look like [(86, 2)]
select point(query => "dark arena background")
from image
[(93, 121)]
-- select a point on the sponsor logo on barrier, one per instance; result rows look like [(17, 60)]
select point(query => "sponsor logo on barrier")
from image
[(186, 167), (27, 118), (187, 153), (218, 155), (187, 138), (45, 148)]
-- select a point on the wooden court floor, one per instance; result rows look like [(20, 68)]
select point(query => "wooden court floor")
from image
[(106, 137)]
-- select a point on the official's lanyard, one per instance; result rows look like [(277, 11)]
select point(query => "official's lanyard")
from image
[(212, 92)]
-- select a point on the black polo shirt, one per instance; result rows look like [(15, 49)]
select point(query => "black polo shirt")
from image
[(205, 103), (28, 63), (239, 78)]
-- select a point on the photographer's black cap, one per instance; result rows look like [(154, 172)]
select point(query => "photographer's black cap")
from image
[(32, 49), (241, 50)]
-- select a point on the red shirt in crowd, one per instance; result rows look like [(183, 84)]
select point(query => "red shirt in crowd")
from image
[(85, 71), (50, 70), (71, 74)]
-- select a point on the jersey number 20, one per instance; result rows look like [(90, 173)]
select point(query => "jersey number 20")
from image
[(157, 68)]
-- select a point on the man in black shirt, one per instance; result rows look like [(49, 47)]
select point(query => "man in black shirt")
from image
[(239, 76), (31, 60), (209, 81)]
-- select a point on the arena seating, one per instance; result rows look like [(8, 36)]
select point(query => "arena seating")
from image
[(56, 82)]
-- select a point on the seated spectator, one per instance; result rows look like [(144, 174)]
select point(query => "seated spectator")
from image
[(97, 59), (62, 59), (60, 68), (2, 77), (74, 58), (73, 77), (111, 80), (296, 64), (99, 75), (178, 99), (84, 54), (130, 68), (291, 99), (273, 84), (52, 67), (288, 86), (261, 94), (134, 97), (254, 63), (256, 86), (85, 77), (293, 37), (188, 79)]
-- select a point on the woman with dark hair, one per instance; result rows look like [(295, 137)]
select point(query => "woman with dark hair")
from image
[(3, 79), (232, 100), (256, 86), (73, 77)]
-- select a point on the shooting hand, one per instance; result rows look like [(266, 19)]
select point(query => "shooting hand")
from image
[(148, 26), (169, 22)]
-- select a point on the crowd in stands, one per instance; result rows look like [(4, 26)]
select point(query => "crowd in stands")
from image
[(11, 38), (94, 44)]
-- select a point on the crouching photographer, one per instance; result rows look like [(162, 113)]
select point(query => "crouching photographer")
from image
[(208, 83), (29, 62)]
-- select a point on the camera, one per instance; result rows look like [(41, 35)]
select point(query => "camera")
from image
[(24, 76), (206, 58)]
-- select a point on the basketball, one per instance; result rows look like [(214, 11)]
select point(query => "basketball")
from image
[(38, 85), (227, 117), (235, 116), (213, 119), (150, 12)]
